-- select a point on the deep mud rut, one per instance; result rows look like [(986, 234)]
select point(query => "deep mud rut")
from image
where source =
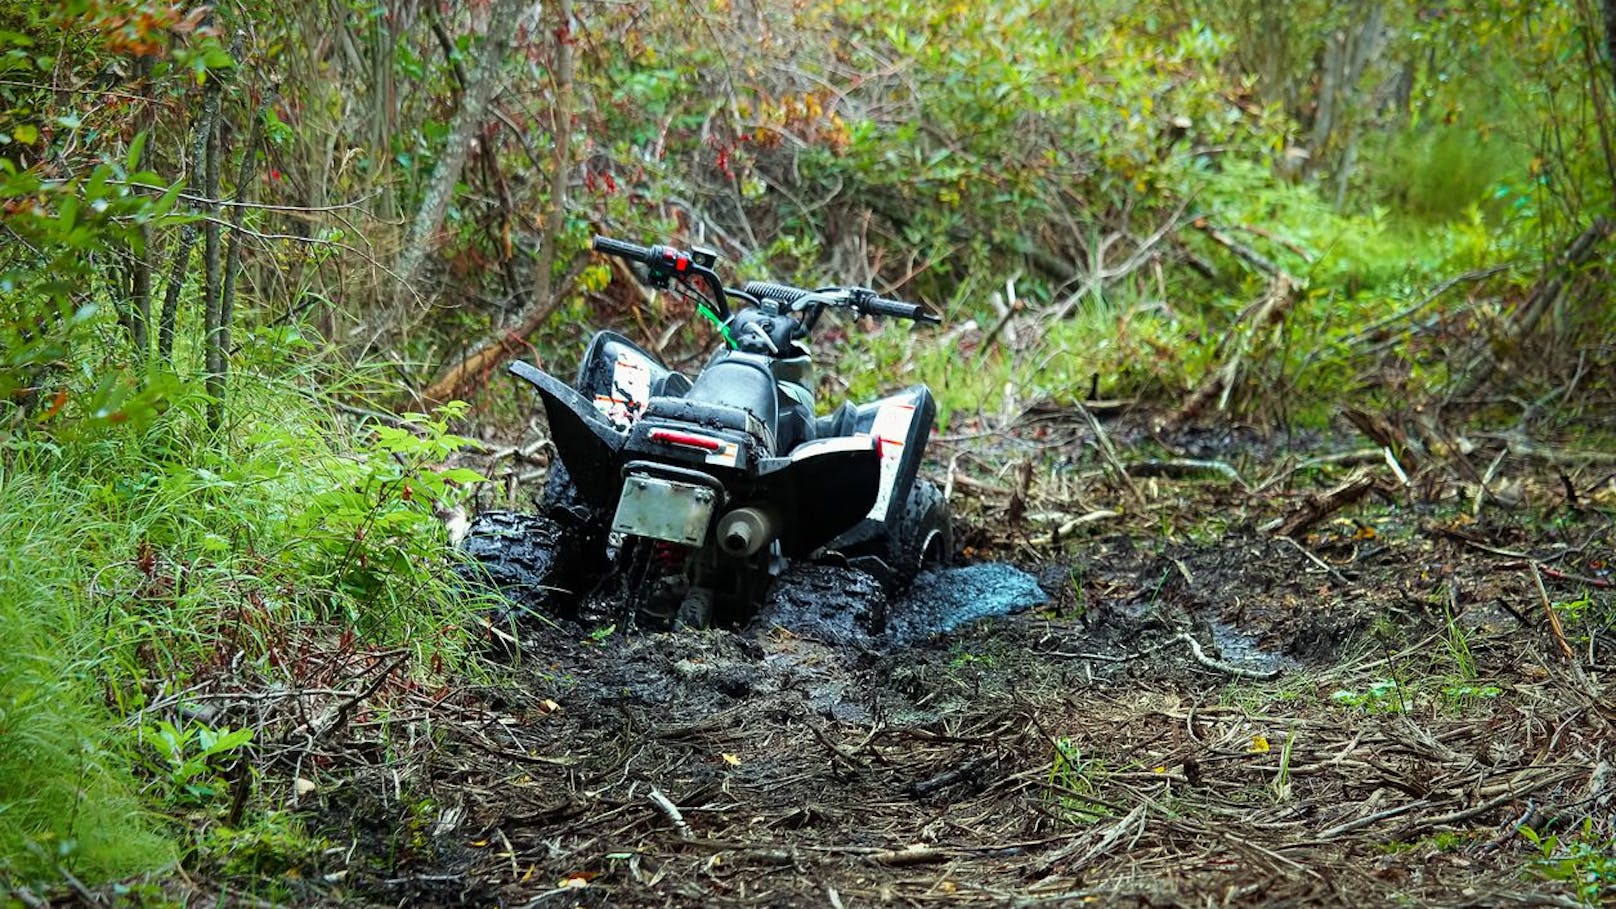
[(1371, 721)]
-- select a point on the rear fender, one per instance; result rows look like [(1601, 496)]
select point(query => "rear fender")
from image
[(586, 443), (821, 490)]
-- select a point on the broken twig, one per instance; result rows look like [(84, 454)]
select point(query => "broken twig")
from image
[(668, 808), (1236, 671), (1554, 617)]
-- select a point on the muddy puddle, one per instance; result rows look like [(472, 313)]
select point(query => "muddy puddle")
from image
[(843, 606)]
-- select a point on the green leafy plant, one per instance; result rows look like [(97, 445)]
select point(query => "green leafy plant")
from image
[(191, 758), (1280, 788), (373, 530), (1073, 782), (1380, 696), (1582, 859)]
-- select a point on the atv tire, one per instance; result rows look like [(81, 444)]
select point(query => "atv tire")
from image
[(523, 556), (924, 537)]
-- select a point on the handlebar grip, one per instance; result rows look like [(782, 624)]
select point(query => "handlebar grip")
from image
[(778, 293), (631, 251), (880, 306)]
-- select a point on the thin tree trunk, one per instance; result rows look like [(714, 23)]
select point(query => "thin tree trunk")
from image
[(182, 255), (560, 172), (451, 160), (504, 344), (220, 341), (141, 317), (139, 312), (1610, 39), (212, 284)]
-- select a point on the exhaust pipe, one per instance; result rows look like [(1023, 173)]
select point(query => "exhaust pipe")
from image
[(745, 531)]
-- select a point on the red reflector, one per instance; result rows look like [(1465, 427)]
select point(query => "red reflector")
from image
[(682, 264), (686, 439)]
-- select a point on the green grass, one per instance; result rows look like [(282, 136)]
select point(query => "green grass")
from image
[(133, 558), (67, 797)]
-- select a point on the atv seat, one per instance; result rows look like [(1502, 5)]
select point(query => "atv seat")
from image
[(736, 392), (702, 413)]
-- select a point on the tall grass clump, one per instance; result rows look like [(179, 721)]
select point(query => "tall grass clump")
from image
[(139, 560), (67, 797)]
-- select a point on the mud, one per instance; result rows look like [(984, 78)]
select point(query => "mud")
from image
[(844, 606)]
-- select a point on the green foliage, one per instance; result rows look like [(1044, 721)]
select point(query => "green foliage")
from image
[(48, 308), (66, 797), (1380, 696), (371, 531), (1439, 173), (190, 759), (269, 853), (133, 557), (1583, 859), (1074, 781)]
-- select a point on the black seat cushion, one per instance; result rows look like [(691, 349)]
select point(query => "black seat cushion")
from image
[(700, 413)]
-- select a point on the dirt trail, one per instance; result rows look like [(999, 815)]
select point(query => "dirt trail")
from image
[(1045, 756), (1198, 714)]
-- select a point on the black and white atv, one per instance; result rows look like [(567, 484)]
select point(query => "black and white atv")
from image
[(673, 502)]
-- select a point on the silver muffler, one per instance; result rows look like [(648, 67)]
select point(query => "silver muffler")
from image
[(745, 532)]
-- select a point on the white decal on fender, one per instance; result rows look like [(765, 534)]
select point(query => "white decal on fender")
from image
[(891, 426), (631, 388)]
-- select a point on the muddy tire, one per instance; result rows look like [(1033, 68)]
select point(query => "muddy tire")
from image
[(924, 537), (523, 556), (561, 500)]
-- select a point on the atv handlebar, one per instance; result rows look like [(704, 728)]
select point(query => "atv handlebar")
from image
[(862, 300), (783, 294), (881, 306), (664, 264), (667, 264)]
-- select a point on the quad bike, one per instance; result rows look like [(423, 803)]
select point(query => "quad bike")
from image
[(675, 503)]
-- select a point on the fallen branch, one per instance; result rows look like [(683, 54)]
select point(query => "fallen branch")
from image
[(1374, 329), (1108, 451), (1240, 250), (1180, 468), (1318, 506), (1386, 434), (1355, 458), (674, 815), (478, 365), (912, 855), (1601, 583), (1068, 526), (1283, 293), (1526, 318), (1328, 568)]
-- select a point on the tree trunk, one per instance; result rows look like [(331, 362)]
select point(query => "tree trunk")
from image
[(1610, 39), (205, 123), (212, 283), (468, 120), (504, 344), (219, 341)]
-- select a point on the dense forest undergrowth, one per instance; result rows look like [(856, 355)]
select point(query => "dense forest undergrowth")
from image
[(1222, 283)]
